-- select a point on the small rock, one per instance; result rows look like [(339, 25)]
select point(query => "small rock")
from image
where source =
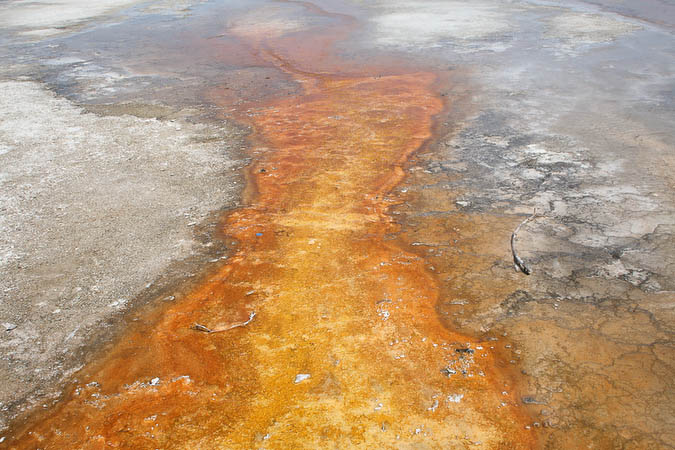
[(464, 350), (455, 398), (154, 381), (299, 378), (448, 372)]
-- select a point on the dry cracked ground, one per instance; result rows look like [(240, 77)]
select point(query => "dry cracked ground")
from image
[(331, 187)]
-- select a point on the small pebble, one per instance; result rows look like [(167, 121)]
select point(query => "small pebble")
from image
[(299, 378)]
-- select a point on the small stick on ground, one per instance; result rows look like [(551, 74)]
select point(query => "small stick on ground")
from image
[(199, 327), (517, 261)]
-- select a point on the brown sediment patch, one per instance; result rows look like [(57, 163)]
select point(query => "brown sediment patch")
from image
[(346, 348)]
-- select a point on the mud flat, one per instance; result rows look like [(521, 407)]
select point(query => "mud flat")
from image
[(99, 213)]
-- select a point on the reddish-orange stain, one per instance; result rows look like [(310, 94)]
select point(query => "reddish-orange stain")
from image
[(334, 300)]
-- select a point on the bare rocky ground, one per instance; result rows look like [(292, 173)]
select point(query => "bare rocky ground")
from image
[(99, 211), (570, 112)]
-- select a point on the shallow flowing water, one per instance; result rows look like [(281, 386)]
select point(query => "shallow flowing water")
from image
[(345, 348)]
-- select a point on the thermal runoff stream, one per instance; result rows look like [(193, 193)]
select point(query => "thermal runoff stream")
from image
[(324, 332)]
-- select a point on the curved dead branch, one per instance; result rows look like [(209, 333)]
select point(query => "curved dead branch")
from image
[(517, 260), (200, 327)]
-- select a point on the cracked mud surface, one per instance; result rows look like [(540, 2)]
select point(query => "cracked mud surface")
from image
[(591, 330), (374, 245)]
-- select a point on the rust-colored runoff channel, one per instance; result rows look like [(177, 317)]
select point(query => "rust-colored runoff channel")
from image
[(345, 349)]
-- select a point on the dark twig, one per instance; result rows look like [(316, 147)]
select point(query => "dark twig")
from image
[(517, 261), (199, 327)]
